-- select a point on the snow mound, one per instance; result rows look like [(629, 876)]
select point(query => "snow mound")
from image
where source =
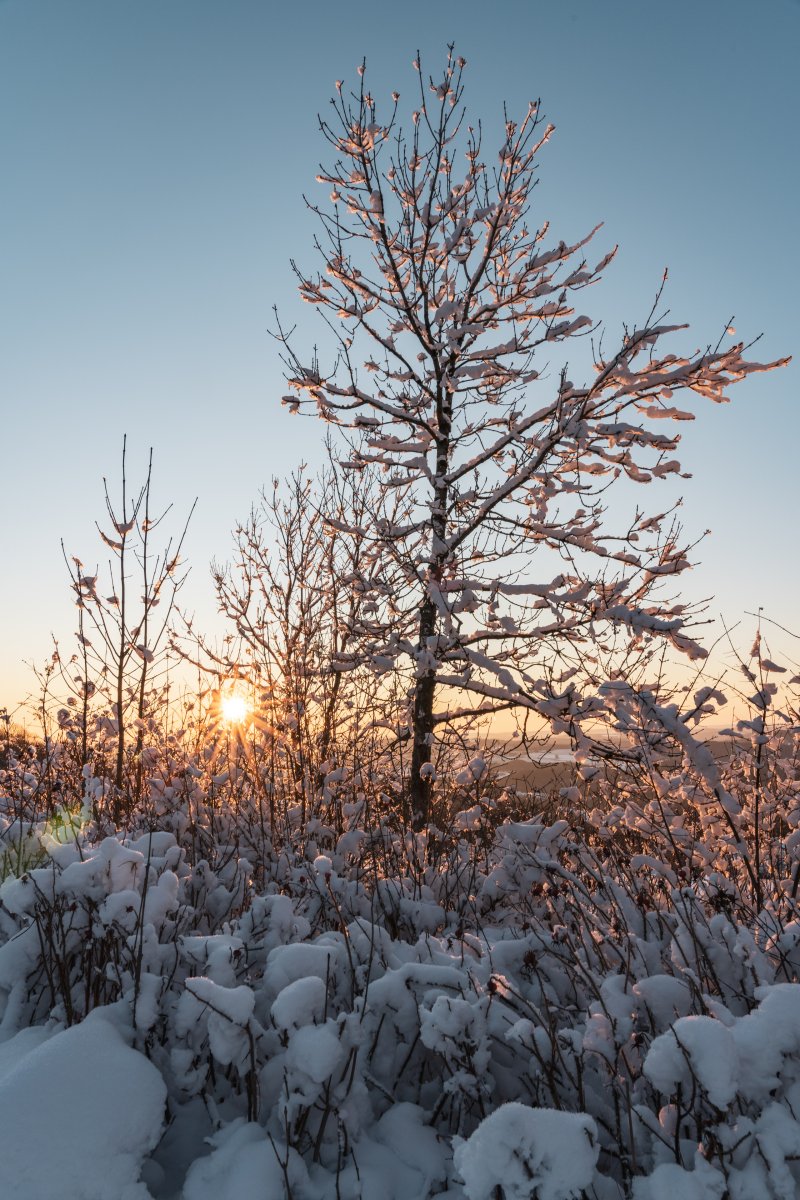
[(671, 1182), (78, 1113), (243, 1163), (529, 1151)]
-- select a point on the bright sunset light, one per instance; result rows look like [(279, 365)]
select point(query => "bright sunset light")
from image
[(234, 708)]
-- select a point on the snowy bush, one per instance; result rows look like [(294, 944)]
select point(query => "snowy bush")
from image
[(579, 999)]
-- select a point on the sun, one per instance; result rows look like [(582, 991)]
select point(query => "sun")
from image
[(234, 708)]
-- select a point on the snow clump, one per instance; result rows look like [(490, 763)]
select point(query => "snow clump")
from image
[(522, 1149)]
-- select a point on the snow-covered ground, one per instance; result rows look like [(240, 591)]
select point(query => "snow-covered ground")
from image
[(533, 1013), (79, 1112)]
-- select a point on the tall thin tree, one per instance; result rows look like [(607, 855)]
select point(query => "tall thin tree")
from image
[(448, 300)]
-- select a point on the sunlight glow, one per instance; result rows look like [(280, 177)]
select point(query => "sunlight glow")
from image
[(234, 708)]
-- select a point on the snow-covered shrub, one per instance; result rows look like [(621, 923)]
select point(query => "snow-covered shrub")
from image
[(337, 1005), (97, 923)]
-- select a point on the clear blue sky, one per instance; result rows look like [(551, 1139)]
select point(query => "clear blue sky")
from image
[(154, 155)]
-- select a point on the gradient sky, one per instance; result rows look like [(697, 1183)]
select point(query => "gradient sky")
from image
[(154, 157)]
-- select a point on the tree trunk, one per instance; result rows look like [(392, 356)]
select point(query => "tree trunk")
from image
[(422, 725), (422, 716)]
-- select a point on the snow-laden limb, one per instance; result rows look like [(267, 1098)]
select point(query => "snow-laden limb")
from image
[(227, 1012), (743, 1058), (527, 1151), (699, 1049), (299, 1003), (234, 1004)]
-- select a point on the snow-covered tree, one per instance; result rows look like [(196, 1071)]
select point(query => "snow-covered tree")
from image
[(290, 603), (452, 308), (121, 638)]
